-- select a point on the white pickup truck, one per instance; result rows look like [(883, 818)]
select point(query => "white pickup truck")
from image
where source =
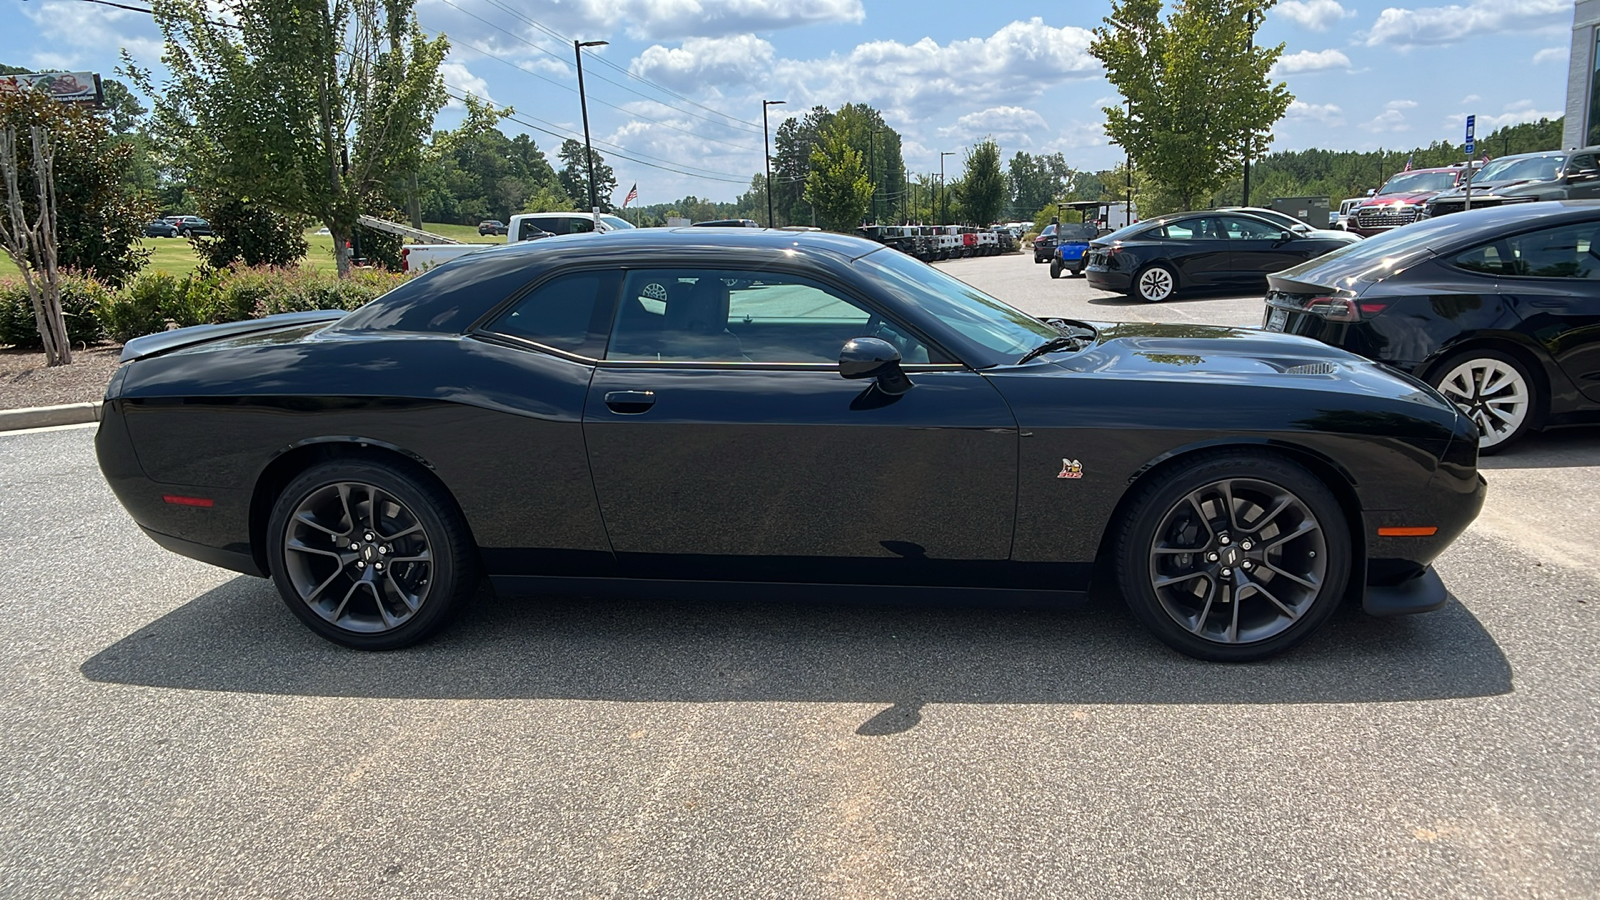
[(522, 227)]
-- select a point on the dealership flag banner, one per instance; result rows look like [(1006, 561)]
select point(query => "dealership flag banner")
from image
[(633, 194)]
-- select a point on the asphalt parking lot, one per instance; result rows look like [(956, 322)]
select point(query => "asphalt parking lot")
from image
[(169, 729)]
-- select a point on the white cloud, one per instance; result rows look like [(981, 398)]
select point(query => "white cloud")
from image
[(1513, 114), (1470, 98), (1316, 15), (666, 19), (1326, 114), (1436, 25), (77, 31), (702, 61), (1393, 117), (1551, 54), (460, 80), (1309, 61), (1010, 125)]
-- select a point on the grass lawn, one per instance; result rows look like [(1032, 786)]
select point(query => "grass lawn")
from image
[(176, 256)]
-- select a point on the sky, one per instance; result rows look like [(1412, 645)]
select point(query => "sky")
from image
[(679, 88)]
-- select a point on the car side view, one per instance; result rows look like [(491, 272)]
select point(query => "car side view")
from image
[(772, 413), (1497, 308)]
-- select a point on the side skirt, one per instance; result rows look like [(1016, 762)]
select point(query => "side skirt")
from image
[(760, 591)]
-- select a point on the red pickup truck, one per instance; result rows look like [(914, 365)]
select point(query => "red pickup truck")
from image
[(1402, 198)]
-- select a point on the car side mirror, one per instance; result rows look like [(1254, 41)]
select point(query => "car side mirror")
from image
[(1286, 235), (870, 357)]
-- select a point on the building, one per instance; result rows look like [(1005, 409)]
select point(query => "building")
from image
[(1582, 128)]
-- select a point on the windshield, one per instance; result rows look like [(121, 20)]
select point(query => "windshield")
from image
[(1406, 182), (961, 307), (1075, 232), (615, 222), (1537, 168)]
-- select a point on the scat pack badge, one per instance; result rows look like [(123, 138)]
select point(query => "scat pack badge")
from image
[(1071, 468)]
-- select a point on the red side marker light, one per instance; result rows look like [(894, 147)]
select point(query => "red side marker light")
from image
[(1424, 531), (175, 500)]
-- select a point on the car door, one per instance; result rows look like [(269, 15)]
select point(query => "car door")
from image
[(1583, 177), (1199, 249), (1554, 286), (724, 444), (1259, 248)]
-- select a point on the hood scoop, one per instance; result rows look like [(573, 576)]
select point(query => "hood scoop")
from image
[(1314, 368)]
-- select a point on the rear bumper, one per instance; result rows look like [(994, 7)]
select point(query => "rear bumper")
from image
[(1105, 280)]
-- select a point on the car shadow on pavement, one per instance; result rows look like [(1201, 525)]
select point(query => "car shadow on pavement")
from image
[(239, 637), (1558, 448), (1184, 296)]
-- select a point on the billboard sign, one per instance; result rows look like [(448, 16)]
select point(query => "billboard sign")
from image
[(68, 87)]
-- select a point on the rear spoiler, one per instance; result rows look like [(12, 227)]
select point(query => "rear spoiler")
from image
[(161, 342)]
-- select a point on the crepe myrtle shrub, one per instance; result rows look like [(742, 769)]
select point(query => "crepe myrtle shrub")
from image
[(81, 299), (158, 301), (250, 233)]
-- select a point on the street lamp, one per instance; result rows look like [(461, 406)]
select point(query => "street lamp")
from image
[(944, 206), (1127, 166), (588, 148), (766, 145), (872, 168)]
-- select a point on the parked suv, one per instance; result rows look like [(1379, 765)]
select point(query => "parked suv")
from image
[(193, 226), (531, 224), (1525, 178), (1044, 246), (1401, 199), (491, 226)]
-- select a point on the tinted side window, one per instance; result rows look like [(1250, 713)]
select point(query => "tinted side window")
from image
[(1250, 229), (1583, 162), (569, 312), (1569, 251)]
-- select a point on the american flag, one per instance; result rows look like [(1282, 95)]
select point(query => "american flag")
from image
[(633, 194), (1408, 163)]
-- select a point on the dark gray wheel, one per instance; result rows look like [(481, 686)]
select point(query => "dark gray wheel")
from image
[(1055, 268), (1234, 557), (368, 556)]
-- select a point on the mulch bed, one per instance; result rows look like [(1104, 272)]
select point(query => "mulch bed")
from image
[(26, 381)]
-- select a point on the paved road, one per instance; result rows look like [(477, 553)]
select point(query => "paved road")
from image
[(170, 730)]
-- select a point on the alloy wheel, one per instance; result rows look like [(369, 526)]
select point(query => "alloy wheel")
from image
[(1155, 284), (358, 557), (1238, 560), (1493, 394)]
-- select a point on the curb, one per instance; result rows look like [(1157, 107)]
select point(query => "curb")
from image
[(48, 416)]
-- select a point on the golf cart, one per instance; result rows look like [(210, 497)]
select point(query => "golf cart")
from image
[(1072, 238)]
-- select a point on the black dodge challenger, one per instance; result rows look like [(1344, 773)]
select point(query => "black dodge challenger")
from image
[(678, 411)]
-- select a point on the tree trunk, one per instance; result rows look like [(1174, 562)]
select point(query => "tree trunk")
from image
[(341, 247), (33, 246)]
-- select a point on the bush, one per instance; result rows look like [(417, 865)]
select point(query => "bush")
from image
[(81, 298), (251, 234), (155, 301)]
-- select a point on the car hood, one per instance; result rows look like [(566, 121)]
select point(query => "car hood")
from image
[(1412, 197), (1484, 187), (1245, 356)]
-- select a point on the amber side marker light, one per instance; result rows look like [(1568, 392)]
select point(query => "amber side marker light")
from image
[(1427, 531), (189, 501)]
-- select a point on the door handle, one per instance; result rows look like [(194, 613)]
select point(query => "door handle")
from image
[(630, 403)]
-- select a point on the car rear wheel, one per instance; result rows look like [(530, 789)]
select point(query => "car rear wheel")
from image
[(368, 556), (1234, 557), (1493, 390), (1155, 283)]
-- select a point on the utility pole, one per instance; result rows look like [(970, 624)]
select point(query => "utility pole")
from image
[(588, 148), (872, 165), (944, 197), (766, 150)]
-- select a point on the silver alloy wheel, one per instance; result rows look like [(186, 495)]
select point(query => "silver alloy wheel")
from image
[(1492, 393), (1238, 561), (358, 557), (1155, 284)]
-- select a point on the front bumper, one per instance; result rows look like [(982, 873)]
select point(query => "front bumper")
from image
[(1424, 593)]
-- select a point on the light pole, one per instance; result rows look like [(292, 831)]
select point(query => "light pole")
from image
[(1127, 165), (766, 151), (944, 206), (872, 167), (1249, 138), (588, 148)]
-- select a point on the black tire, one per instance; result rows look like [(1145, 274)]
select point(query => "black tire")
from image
[(1502, 418), (1055, 269), (1154, 273), (436, 561), (1036, 259), (1173, 544)]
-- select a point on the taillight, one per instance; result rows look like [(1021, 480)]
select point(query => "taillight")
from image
[(405, 259), (1344, 309)]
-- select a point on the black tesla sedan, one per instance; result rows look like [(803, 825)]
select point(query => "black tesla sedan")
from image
[(701, 410), (1155, 259), (1498, 308)]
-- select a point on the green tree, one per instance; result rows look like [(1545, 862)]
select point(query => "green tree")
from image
[(100, 220), (838, 187), (1197, 99), (574, 176), (304, 105), (983, 186), (249, 233)]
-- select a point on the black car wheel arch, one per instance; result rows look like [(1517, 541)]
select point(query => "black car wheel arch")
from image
[(369, 556), (1285, 546)]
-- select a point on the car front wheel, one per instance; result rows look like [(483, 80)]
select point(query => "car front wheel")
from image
[(1233, 557), (1155, 283), (1492, 389), (369, 556), (1055, 268)]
